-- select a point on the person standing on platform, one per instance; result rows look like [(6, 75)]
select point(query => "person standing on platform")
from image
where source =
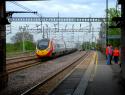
[(108, 55), (111, 53), (106, 52), (116, 55)]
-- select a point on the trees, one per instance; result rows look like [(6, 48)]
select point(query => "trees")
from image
[(112, 12), (22, 41), (20, 36)]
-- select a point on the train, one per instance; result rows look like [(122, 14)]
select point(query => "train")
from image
[(53, 47)]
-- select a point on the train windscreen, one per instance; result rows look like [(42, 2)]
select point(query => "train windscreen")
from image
[(42, 44)]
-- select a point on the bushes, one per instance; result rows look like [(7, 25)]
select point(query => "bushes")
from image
[(18, 47)]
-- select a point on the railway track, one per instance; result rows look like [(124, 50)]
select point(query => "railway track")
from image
[(19, 54), (49, 83), (19, 63), (19, 59)]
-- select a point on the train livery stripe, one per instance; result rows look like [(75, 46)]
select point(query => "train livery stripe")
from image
[(51, 49)]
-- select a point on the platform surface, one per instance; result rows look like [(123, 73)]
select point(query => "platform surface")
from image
[(98, 79), (106, 79)]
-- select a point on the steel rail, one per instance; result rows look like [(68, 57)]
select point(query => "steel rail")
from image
[(50, 77), (22, 67), (21, 64), (20, 59)]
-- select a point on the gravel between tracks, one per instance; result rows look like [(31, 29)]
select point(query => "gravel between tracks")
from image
[(22, 80)]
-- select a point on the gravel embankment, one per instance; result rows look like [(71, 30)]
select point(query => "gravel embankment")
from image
[(22, 80)]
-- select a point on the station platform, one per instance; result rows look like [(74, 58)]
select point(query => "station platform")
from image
[(98, 79), (104, 79)]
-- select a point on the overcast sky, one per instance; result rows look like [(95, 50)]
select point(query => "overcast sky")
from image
[(66, 8)]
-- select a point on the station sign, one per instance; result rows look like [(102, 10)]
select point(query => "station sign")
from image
[(114, 37)]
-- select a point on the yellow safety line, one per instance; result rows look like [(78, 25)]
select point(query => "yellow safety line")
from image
[(95, 68), (96, 58), (96, 63)]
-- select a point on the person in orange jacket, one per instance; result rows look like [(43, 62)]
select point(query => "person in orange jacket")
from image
[(108, 55), (107, 51), (111, 53), (116, 55)]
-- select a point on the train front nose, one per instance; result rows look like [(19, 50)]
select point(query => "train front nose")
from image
[(41, 53)]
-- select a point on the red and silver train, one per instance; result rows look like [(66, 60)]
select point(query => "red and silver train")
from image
[(52, 47)]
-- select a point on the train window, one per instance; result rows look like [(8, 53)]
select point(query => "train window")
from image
[(42, 44)]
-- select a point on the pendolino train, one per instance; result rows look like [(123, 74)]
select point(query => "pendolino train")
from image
[(53, 47)]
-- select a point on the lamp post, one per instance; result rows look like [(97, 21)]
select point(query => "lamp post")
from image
[(23, 37), (47, 30), (58, 21), (106, 21), (65, 27), (22, 30), (92, 36), (73, 33), (55, 30), (42, 27)]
